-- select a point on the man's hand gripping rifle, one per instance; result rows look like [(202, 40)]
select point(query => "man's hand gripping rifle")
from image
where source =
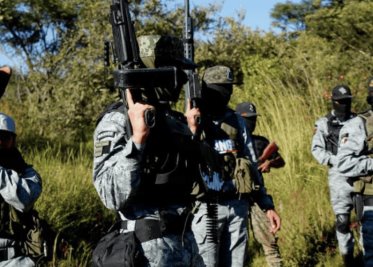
[(131, 73)]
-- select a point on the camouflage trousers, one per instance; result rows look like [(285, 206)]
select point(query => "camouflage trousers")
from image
[(261, 230), (172, 250)]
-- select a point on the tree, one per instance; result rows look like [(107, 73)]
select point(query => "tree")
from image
[(36, 27)]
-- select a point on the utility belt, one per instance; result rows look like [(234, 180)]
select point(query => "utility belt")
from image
[(217, 197), (148, 229), (121, 246)]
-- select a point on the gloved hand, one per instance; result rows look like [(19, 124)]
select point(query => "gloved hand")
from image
[(12, 159)]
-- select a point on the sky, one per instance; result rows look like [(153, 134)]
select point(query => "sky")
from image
[(257, 11), (257, 16)]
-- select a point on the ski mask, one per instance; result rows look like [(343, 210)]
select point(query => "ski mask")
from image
[(250, 123), (342, 109), (341, 101), (217, 87), (216, 97)]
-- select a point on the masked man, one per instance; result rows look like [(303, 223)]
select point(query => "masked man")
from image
[(20, 188), (324, 149), (148, 177), (220, 224), (260, 224)]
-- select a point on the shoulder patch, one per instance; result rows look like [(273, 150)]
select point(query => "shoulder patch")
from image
[(101, 148), (105, 134), (344, 139)]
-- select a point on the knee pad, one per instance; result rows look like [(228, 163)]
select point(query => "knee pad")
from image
[(343, 223)]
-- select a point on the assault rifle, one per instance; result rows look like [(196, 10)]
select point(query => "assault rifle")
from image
[(5, 73), (131, 72), (192, 88)]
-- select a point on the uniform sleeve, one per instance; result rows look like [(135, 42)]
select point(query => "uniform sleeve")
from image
[(116, 167), (318, 147), (261, 197), (351, 161), (20, 190)]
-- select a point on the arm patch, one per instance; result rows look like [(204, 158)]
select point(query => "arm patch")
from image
[(103, 135), (101, 148)]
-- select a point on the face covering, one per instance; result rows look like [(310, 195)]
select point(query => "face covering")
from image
[(216, 98), (250, 124), (342, 109)]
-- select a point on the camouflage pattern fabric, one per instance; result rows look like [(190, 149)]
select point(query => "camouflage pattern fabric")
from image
[(218, 75), (260, 226), (158, 50)]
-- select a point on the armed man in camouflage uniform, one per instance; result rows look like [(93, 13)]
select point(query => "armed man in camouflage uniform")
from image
[(220, 223), (20, 188), (324, 149), (148, 178), (259, 222), (354, 160)]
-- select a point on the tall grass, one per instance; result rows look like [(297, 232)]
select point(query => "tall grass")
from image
[(72, 207), (69, 202), (300, 189)]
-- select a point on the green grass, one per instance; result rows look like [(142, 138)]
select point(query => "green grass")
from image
[(70, 204)]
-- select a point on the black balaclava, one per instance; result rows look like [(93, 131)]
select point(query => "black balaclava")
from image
[(250, 123), (342, 108), (216, 97)]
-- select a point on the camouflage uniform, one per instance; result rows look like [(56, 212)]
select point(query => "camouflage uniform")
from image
[(150, 184), (20, 188), (259, 221), (220, 224)]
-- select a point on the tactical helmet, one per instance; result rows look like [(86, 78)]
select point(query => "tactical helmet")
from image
[(7, 123), (163, 50)]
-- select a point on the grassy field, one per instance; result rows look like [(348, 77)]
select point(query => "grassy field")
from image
[(72, 207)]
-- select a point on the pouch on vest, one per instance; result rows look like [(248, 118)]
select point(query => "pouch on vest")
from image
[(243, 176), (117, 249), (34, 234)]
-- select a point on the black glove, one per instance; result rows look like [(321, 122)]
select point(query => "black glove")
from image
[(12, 159)]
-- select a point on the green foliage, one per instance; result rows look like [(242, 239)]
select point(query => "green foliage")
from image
[(55, 103), (69, 201)]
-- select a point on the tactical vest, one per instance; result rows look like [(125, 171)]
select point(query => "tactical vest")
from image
[(364, 184), (170, 164), (228, 149)]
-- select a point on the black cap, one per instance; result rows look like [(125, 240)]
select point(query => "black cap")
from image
[(246, 109), (341, 92), (370, 84)]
